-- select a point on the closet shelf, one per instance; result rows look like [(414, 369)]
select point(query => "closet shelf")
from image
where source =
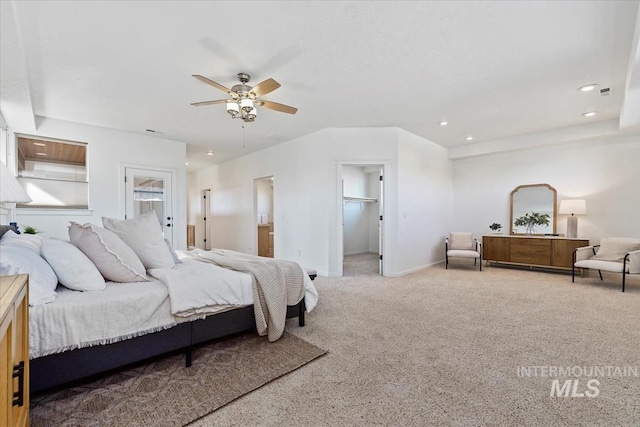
[(347, 199)]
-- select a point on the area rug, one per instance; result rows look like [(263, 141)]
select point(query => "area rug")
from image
[(163, 392)]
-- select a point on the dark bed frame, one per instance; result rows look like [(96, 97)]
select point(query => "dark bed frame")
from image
[(62, 368)]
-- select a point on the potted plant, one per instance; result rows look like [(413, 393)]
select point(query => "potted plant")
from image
[(531, 220), (496, 228), (30, 230)]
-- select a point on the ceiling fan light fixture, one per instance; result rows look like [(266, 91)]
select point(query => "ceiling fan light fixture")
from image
[(251, 115), (246, 104), (233, 108), (244, 98)]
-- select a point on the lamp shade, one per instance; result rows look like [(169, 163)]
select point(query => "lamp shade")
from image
[(10, 189), (573, 207)]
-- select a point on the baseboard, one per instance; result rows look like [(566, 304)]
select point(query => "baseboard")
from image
[(359, 253), (413, 270)]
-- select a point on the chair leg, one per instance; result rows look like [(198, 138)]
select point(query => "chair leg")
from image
[(446, 262), (623, 277), (600, 273), (573, 273), (480, 263)]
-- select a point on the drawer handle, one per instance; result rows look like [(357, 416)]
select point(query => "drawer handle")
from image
[(18, 396)]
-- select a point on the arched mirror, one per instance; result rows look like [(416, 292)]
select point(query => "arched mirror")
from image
[(533, 209)]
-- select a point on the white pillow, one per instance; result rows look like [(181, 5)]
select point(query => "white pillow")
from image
[(615, 248), (42, 279), (143, 234), (29, 241), (461, 241), (73, 268), (114, 259)]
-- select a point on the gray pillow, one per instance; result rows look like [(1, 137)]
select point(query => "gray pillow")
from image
[(5, 228), (114, 259)]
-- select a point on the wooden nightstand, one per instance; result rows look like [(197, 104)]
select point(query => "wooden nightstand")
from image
[(14, 350)]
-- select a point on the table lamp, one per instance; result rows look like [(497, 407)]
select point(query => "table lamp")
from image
[(573, 208)]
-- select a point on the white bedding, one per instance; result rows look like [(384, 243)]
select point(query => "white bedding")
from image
[(126, 310), (191, 291), (82, 319)]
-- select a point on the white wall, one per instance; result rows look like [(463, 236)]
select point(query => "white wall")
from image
[(604, 171), (107, 151), (306, 196), (308, 204), (423, 204)]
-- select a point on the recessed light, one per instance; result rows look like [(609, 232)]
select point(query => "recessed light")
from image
[(41, 154), (469, 138), (209, 153), (587, 88), (589, 114), (186, 163), (443, 123), (40, 144)]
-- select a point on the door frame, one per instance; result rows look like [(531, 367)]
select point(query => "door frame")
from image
[(174, 191), (339, 253)]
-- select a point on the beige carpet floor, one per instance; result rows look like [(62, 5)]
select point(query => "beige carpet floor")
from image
[(365, 264), (163, 392), (443, 347)]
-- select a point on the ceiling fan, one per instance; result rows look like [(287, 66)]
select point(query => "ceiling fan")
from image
[(245, 98)]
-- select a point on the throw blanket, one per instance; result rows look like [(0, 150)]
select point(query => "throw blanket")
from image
[(276, 284)]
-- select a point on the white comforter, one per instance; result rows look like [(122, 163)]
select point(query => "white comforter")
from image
[(200, 288), (196, 288)]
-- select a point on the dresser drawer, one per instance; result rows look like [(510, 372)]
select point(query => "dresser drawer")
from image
[(530, 251)]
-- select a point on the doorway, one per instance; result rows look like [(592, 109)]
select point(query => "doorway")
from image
[(150, 190), (362, 220), (264, 208)]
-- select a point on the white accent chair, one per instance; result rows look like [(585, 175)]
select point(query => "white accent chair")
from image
[(616, 254), (462, 245)]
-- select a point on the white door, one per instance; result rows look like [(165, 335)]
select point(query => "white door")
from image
[(150, 190), (206, 210), (381, 223)]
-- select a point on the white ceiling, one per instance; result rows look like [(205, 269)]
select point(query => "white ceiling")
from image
[(492, 69)]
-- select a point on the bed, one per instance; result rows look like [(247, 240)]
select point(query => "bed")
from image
[(54, 364), (95, 306)]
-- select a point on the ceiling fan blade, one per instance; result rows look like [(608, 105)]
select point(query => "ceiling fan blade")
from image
[(217, 101), (279, 107), (265, 87), (211, 82)]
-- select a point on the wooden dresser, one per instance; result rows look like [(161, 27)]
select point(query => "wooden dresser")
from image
[(535, 251), (14, 350)]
